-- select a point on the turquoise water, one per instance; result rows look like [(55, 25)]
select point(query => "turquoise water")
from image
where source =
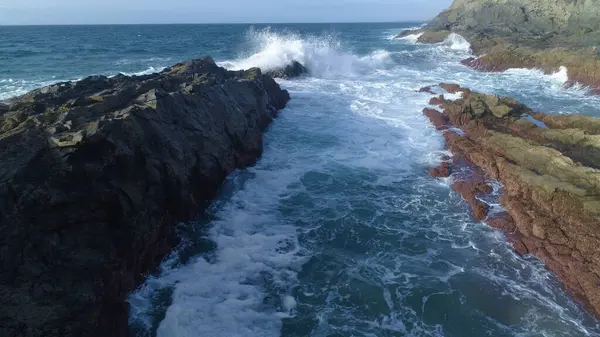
[(338, 230)]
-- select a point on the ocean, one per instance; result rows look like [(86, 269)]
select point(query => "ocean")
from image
[(338, 230)]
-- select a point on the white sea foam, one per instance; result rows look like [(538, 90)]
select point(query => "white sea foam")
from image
[(412, 38), (225, 296), (561, 76), (147, 71), (457, 42), (453, 96), (322, 55)]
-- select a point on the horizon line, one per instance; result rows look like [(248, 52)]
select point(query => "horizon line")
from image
[(202, 23)]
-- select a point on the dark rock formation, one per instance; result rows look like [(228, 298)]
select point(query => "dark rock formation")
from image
[(96, 174), (426, 36), (292, 70), (551, 176), (543, 34)]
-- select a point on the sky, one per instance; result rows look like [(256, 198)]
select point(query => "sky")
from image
[(41, 12)]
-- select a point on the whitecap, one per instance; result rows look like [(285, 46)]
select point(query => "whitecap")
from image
[(412, 38), (457, 42), (322, 55)]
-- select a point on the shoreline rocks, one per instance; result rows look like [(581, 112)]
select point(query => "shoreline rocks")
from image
[(294, 69), (95, 176), (551, 180), (540, 34)]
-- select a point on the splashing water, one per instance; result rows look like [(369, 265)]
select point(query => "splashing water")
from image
[(411, 37), (457, 42), (322, 55)]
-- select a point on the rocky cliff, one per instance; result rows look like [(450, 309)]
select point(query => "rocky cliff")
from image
[(544, 34), (96, 174), (549, 166), (520, 19)]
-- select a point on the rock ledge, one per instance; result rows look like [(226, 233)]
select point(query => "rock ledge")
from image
[(96, 174), (550, 168)]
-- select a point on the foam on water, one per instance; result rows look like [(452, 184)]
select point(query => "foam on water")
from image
[(561, 76), (412, 38), (147, 71), (322, 55), (13, 87), (457, 42)]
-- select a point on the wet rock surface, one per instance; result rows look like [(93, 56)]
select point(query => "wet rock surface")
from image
[(96, 174), (551, 192), (295, 69)]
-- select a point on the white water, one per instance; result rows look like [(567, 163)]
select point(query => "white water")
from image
[(354, 126), (457, 42), (322, 55)]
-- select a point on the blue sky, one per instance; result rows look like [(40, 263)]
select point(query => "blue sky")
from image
[(214, 11)]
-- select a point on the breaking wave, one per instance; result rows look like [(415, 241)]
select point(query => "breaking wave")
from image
[(324, 56), (457, 42)]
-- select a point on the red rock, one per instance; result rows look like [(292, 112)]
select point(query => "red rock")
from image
[(469, 190), (502, 221), (439, 101), (442, 171), (451, 88), (520, 247), (554, 226), (438, 119), (426, 89)]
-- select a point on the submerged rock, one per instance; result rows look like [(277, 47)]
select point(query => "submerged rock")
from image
[(407, 32), (551, 177), (295, 69), (96, 174), (433, 36)]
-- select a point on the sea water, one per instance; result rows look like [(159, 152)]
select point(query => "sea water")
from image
[(338, 230)]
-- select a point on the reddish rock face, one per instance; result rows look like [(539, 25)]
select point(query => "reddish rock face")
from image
[(551, 211), (470, 189), (502, 221), (438, 101), (437, 118), (450, 87), (426, 89), (442, 171)]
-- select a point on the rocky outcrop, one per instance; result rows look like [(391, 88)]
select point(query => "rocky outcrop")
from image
[(96, 174), (544, 34), (425, 36), (294, 69), (549, 167), (551, 20)]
